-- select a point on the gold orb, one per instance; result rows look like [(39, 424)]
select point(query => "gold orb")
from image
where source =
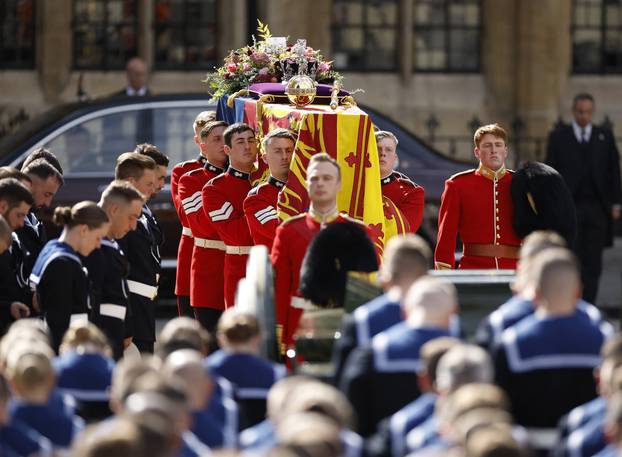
[(301, 90)]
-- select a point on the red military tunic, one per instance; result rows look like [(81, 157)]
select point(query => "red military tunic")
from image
[(407, 196), (223, 201), (184, 251), (260, 208), (477, 204), (293, 237), (208, 254)]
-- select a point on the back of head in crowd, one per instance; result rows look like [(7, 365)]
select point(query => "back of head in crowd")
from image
[(31, 376), (533, 244), (281, 392), (187, 365), (15, 202), (461, 365), (431, 354), (406, 258), (493, 441), (125, 373), (45, 154), (430, 302), (10, 172), (557, 281), (122, 202), (182, 333), (84, 337), (239, 331), (310, 434)]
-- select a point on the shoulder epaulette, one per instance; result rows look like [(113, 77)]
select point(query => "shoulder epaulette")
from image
[(194, 171), (254, 190), (462, 173), (186, 163), (294, 218)]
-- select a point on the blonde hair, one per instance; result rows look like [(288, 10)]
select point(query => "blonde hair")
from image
[(203, 118), (31, 370), (85, 337), (493, 129), (237, 327), (383, 134)]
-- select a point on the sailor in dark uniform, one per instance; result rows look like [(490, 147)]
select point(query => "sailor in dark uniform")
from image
[(142, 250), (108, 267), (538, 356), (58, 276), (381, 378), (15, 202), (239, 362), (406, 258)]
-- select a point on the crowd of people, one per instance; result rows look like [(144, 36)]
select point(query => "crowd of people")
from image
[(83, 374)]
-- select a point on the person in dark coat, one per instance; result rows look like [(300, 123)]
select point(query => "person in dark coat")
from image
[(587, 158)]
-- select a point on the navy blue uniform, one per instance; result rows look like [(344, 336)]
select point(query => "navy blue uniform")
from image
[(585, 441), (581, 415), (108, 270), (390, 440), (142, 248), (86, 378), (19, 440), (358, 329), (549, 361), (54, 423), (513, 311), (381, 378), (33, 237), (222, 410), (61, 284), (251, 377)]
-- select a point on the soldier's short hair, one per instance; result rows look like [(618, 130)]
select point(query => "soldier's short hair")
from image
[(182, 333), (550, 265), (382, 134), (321, 398), (280, 393), (406, 254), (133, 165), (210, 126), (324, 157), (10, 172), (312, 434), (461, 365), (494, 129), (493, 440), (278, 133), (44, 170), (236, 129), (14, 193), (237, 327), (45, 154), (433, 351), (203, 118), (85, 335), (122, 192), (151, 150)]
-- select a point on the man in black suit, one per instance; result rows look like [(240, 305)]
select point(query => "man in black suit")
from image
[(587, 158), (137, 74)]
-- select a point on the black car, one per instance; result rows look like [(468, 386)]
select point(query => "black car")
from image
[(87, 137)]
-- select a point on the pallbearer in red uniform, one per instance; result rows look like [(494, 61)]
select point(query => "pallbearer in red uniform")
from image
[(477, 204), (223, 200), (260, 206), (407, 196), (294, 236), (184, 251), (208, 254)]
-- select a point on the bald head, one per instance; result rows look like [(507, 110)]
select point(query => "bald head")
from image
[(430, 302), (136, 73)]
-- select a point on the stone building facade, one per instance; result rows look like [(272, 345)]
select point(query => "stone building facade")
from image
[(521, 69)]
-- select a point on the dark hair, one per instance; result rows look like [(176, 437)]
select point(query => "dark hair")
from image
[(120, 191), (278, 133), (209, 126), (238, 327), (10, 172), (5, 229), (133, 165), (45, 154), (238, 127), (152, 151), (85, 212), (582, 96), (43, 169), (14, 192)]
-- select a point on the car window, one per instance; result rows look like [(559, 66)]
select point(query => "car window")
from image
[(172, 132), (94, 145)]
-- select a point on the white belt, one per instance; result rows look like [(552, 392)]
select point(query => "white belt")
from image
[(542, 438), (186, 231), (144, 290), (112, 310), (239, 250), (79, 317), (302, 303), (209, 244)]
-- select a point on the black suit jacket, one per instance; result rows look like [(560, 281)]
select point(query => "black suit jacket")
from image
[(123, 93), (564, 154)]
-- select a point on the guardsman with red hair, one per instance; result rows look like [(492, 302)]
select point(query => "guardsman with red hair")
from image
[(405, 194), (477, 205), (184, 251), (223, 200), (208, 254), (260, 206)]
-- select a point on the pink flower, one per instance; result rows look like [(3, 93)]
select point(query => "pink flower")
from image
[(324, 67), (260, 57), (232, 67), (274, 79), (264, 71), (247, 67)]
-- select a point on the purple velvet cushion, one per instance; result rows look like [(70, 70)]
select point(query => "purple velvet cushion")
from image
[(279, 89)]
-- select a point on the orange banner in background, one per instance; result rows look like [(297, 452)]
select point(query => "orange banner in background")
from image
[(348, 136)]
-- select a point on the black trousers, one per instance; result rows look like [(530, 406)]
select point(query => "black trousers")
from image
[(143, 322), (183, 306), (208, 317), (592, 224)]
